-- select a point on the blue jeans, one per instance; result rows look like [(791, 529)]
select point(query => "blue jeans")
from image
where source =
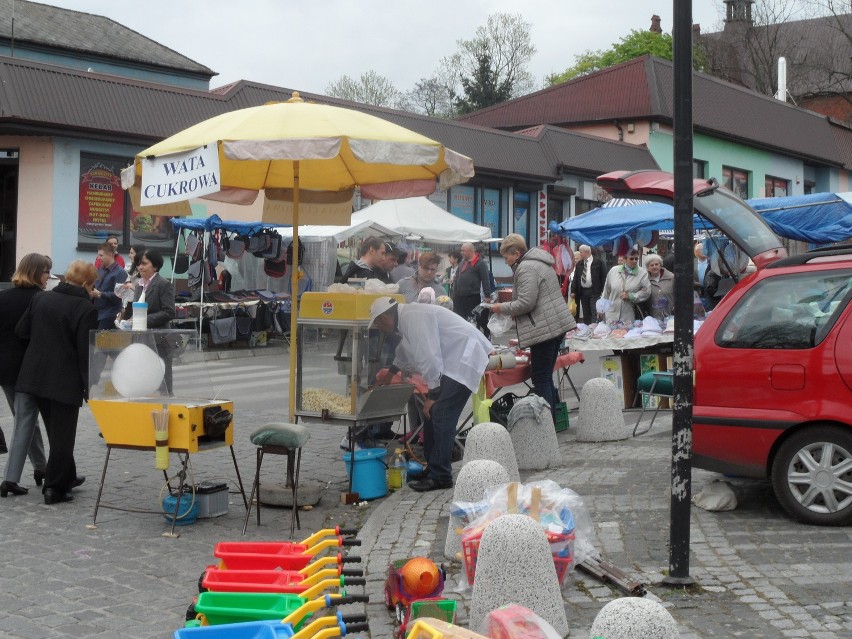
[(26, 437), (542, 359), (439, 429)]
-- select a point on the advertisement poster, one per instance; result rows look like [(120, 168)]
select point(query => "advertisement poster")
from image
[(102, 200), (491, 210), (152, 231), (522, 213), (462, 202)]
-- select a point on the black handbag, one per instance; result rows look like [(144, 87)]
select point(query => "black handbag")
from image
[(244, 323)]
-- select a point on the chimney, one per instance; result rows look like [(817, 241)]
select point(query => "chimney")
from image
[(655, 24)]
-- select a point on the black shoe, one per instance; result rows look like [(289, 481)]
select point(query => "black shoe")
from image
[(79, 480), (427, 483), (11, 487), (55, 496), (38, 476), (3, 449)]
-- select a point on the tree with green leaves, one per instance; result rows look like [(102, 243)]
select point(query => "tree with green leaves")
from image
[(484, 88), (633, 45), (371, 88)]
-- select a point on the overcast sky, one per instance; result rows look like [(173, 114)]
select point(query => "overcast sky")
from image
[(306, 44)]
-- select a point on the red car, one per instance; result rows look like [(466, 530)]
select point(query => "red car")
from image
[(773, 362), (773, 384)]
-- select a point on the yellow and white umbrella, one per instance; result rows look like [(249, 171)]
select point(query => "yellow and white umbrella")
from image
[(303, 156)]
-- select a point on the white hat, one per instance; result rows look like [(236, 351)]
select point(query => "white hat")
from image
[(380, 305)]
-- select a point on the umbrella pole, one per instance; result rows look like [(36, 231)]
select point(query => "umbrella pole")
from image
[(294, 292)]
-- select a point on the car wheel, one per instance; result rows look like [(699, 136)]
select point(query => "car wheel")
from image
[(812, 475)]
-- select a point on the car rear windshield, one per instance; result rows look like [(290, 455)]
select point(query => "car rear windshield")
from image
[(736, 220), (792, 311)]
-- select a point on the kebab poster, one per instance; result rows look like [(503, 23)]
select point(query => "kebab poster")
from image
[(102, 200)]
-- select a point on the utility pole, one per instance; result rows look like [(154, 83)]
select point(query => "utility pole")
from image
[(681, 477)]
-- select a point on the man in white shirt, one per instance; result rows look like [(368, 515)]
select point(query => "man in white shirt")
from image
[(451, 355)]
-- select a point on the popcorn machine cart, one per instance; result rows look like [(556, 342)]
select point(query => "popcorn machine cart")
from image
[(338, 358), (146, 396)]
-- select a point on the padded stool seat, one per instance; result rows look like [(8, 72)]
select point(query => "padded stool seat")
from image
[(279, 438), (653, 384)]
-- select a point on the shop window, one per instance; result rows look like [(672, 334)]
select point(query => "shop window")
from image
[(490, 208), (777, 187), (522, 214), (584, 206), (699, 169), (736, 180)]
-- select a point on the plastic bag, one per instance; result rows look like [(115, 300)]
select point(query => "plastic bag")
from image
[(572, 306), (560, 511), (602, 305), (498, 324)]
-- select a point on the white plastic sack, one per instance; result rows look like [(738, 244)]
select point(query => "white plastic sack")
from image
[(716, 496), (602, 305), (499, 324)]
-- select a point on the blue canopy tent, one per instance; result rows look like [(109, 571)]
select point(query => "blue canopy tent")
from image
[(606, 224), (817, 218), (214, 223)]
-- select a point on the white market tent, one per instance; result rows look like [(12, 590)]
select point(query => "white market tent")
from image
[(417, 217), (321, 243)]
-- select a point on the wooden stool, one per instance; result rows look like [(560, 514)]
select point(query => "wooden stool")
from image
[(279, 439)]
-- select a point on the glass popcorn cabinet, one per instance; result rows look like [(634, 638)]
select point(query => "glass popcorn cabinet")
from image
[(338, 358)]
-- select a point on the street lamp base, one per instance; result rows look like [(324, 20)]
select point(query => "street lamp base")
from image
[(678, 581)]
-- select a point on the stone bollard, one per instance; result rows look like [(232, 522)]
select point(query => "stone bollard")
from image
[(515, 565), (631, 617), (533, 435), (600, 419), (492, 441), (474, 478)]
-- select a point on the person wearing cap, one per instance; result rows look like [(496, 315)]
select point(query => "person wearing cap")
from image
[(369, 263), (451, 356)]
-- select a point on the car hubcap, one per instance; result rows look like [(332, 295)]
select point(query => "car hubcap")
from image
[(820, 477)]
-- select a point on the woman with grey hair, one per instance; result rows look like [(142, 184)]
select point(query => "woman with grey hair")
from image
[(661, 301), (626, 284), (540, 312)]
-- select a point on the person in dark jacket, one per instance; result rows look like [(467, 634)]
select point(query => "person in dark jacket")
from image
[(369, 264), (588, 282), (541, 315), (110, 274), (28, 280), (473, 280), (55, 369), (155, 290)]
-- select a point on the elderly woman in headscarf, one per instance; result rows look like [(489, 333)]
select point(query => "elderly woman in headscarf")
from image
[(626, 284), (661, 302)]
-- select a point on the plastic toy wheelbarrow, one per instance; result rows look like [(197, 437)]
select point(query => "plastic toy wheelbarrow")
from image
[(287, 555), (276, 581), (339, 625), (217, 608)]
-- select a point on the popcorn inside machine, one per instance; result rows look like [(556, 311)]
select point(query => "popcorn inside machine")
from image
[(338, 358)]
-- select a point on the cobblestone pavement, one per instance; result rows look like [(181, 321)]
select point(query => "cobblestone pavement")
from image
[(759, 574)]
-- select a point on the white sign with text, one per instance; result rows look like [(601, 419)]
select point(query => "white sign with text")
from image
[(180, 176)]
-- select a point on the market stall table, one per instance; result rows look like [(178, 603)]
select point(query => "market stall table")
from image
[(625, 367)]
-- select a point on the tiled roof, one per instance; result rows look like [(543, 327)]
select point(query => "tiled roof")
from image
[(79, 33), (39, 98), (642, 89)]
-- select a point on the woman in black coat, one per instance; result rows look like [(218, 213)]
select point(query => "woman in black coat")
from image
[(28, 280), (159, 292), (55, 369)]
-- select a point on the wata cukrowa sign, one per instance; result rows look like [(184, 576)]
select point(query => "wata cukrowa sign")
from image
[(177, 177)]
